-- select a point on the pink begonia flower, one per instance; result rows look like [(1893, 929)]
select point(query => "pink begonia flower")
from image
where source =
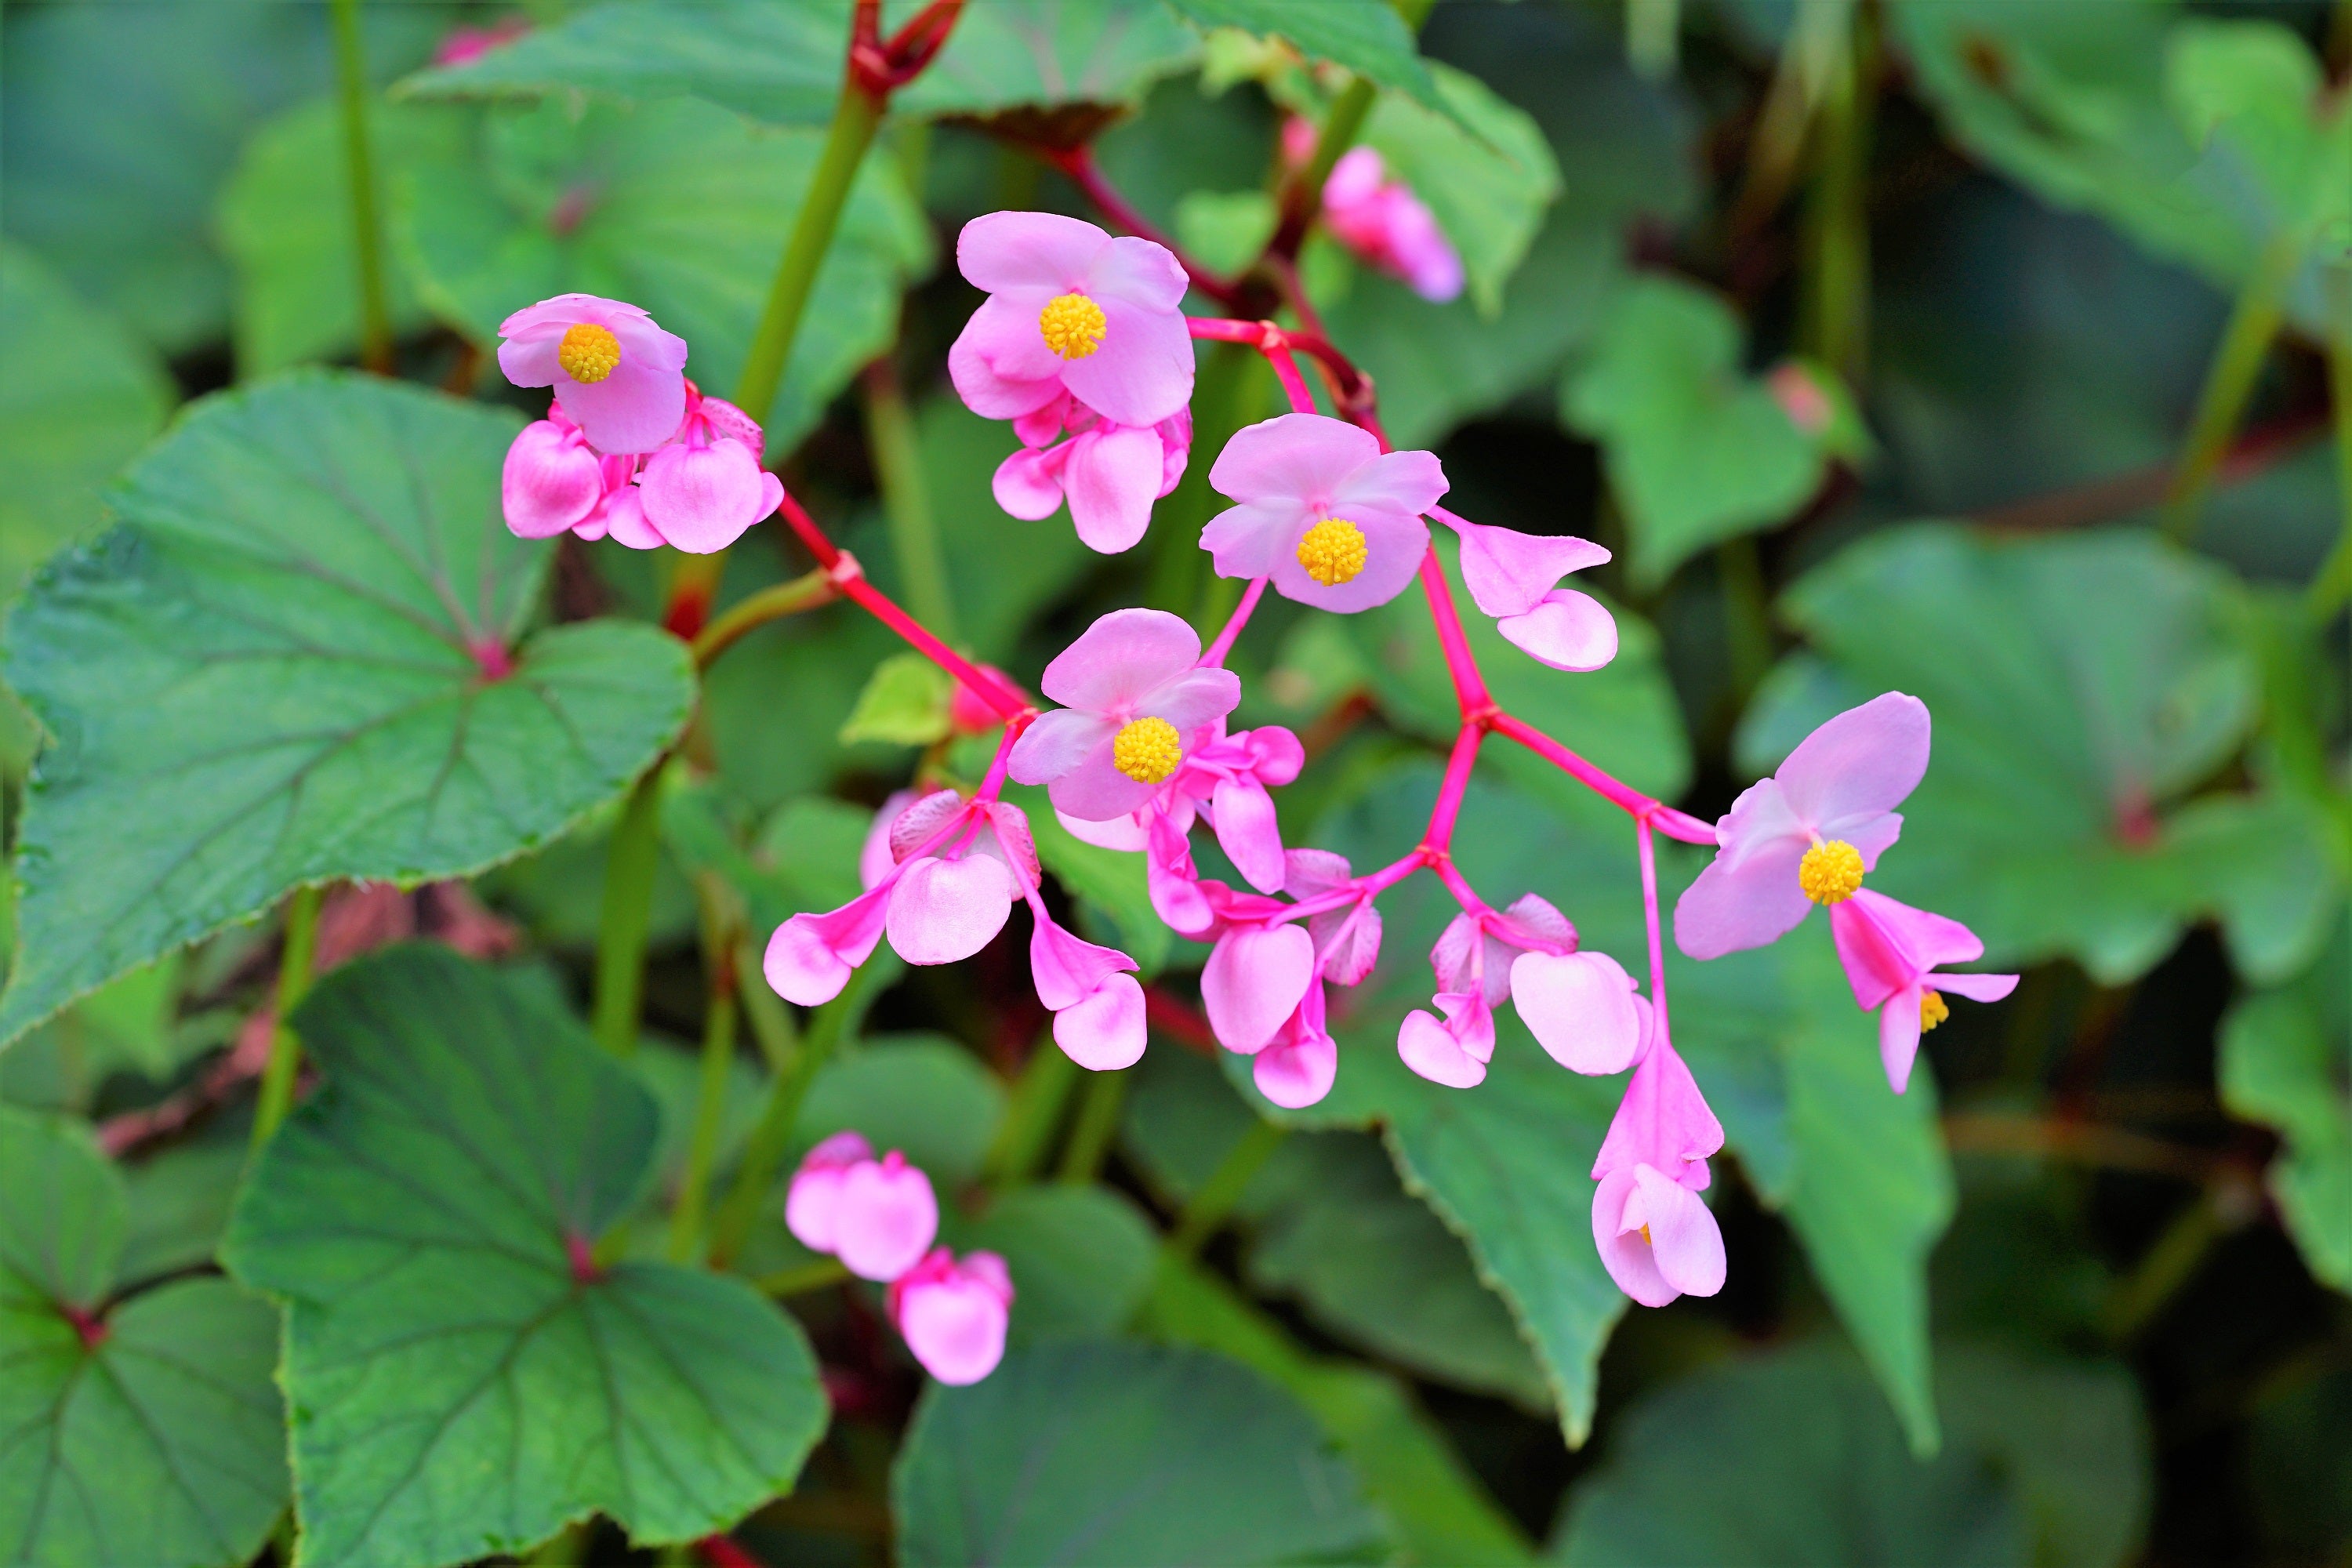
[(1807, 835), (811, 956), (1296, 1067), (1512, 576), (1455, 1053), (812, 1203), (1333, 521), (617, 374), (1225, 778), (1655, 1236), (1581, 1007), (1379, 218), (952, 1314), (551, 481), (1133, 704), (1473, 962), (1347, 938), (704, 488), (1256, 977), (1097, 1002), (1891, 954), (885, 1217), (1071, 309), (1110, 474)]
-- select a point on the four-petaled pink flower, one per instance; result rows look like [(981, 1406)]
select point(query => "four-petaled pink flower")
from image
[(1891, 952), (1380, 219), (1657, 1237), (1109, 473), (878, 1217), (1225, 778), (1071, 309), (1807, 835), (1134, 702), (1334, 521), (952, 1313), (619, 376), (1510, 576)]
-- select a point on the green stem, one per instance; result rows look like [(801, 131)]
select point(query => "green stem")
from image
[(2333, 586), (1097, 1125), (718, 1056), (1222, 402), (1215, 1197), (632, 858), (1837, 298), (2230, 382), (771, 1139), (1303, 197), (855, 120), (294, 962), (1031, 1115), (906, 500), (772, 1021), (771, 604), (367, 232), (1653, 37)]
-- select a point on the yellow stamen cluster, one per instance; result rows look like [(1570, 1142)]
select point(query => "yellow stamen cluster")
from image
[(1933, 1010), (1147, 751), (1073, 325), (1646, 1237), (1829, 872), (589, 352), (1332, 552)]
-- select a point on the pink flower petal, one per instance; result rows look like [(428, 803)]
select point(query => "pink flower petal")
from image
[(550, 482), (1105, 1031), (812, 1207), (1975, 988), (1738, 904), (1028, 484), (1858, 765), (1117, 660), (1438, 1053), (1057, 742), (1193, 699), (1296, 1073), (626, 523), (1247, 829), (1254, 978), (1394, 547), (943, 910), (704, 498), (1346, 941), (1138, 272), (986, 340), (1566, 630), (1664, 1243), (953, 1317), (1113, 478), (885, 1217), (1579, 1007), (1123, 834), (1067, 970), (1142, 374), (1293, 457), (1407, 483), (1898, 1036), (1617, 1235), (875, 860), (1662, 1121), (1508, 572), (1030, 251), (1252, 540), (810, 957)]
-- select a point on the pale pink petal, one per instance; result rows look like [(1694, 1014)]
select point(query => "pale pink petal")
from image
[(1617, 1234), (562, 312), (1975, 988), (1138, 272), (1096, 788), (1175, 434), (1056, 742), (1293, 457), (1296, 1073), (1355, 180), (550, 482), (1028, 484), (1029, 252), (1309, 872), (1253, 980), (1859, 764), (1684, 1240), (919, 826), (1898, 1036), (1663, 1120), (1346, 941), (1005, 834), (1193, 699), (1252, 540), (810, 957), (1275, 755), (626, 523), (1104, 1031), (812, 1207), (1928, 940), (1113, 476), (1420, 250), (1451, 956), (1731, 908), (1437, 1054), (1567, 630), (704, 498), (874, 858), (954, 1319), (1394, 547), (1246, 830), (1142, 374), (1124, 834), (1117, 660), (1508, 572), (1407, 483), (989, 393), (1532, 923), (635, 408), (1067, 970), (885, 1217), (943, 910), (1579, 1007)]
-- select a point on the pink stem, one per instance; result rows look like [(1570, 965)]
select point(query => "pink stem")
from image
[(994, 784), (1455, 883), (1440, 834), (1371, 884), (1668, 821), (1084, 174), (1294, 386), (1234, 624), (1230, 330), (1469, 686), (1650, 914)]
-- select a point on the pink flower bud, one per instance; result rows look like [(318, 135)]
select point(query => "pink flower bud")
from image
[(551, 482), (954, 1314), (1657, 1237), (1255, 976), (885, 1217), (812, 1205)]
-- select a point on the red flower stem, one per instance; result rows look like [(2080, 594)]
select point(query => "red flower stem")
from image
[(1650, 914), (1436, 842), (1469, 686), (1294, 386), (1233, 330), (1234, 624)]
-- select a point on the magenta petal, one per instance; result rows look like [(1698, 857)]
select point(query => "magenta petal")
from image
[(1123, 834), (1193, 699), (1431, 1049), (626, 521), (943, 910), (1858, 764), (1898, 1036), (1247, 829), (1407, 483), (1293, 457), (1579, 1007), (551, 482), (1028, 250), (1117, 660), (811, 955), (1508, 572), (953, 1318), (1143, 371), (1296, 1073), (1066, 970), (1618, 1236), (1252, 540), (1028, 484), (985, 390), (885, 1217), (1567, 630), (1139, 272), (703, 498), (1113, 478), (1346, 941), (1096, 790), (635, 409), (1252, 982), (1104, 1031), (1057, 742), (1663, 1120), (1975, 988), (1684, 1242)]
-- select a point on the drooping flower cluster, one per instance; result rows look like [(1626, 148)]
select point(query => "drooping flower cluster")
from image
[(1379, 218), (880, 1217), (630, 448)]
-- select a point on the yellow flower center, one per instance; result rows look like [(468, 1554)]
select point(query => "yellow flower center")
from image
[(1933, 1010), (589, 352), (1332, 550), (1829, 872), (1073, 325), (1645, 1238), (1147, 751)]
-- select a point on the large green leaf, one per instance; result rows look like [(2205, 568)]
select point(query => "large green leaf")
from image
[(141, 1430), (781, 61), (1081, 1257), (1367, 36), (285, 221), (919, 1093), (1787, 1459), (115, 133), (2079, 686), (1119, 1453), (2286, 1062), (1696, 450), (675, 205), (78, 396), (464, 1379), (280, 673)]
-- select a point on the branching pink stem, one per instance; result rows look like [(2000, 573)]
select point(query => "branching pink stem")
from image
[(1650, 915), (1234, 624), (1668, 821), (1438, 840)]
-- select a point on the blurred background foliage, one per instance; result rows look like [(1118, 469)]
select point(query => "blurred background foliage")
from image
[(1971, 348)]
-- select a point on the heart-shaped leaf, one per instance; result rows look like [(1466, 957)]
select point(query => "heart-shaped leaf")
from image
[(304, 660), (465, 1377)]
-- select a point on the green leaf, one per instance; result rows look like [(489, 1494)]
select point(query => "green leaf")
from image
[(79, 397), (2286, 1062), (274, 677), (1119, 1453), (921, 1093), (1787, 1459), (783, 62), (905, 703), (285, 221), (677, 206), (1623, 717), (2079, 686), (1081, 1257), (464, 1382), (154, 1435), (116, 137), (1367, 36), (1695, 450), (1224, 231)]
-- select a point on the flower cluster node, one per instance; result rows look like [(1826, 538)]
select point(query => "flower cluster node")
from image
[(1332, 552), (1073, 325), (1831, 871), (588, 352), (1147, 750)]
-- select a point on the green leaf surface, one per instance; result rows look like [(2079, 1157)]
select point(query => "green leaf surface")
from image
[(273, 677), (79, 397), (463, 1382), (285, 221), (2286, 1062), (905, 703), (1081, 1257), (1697, 451), (1789, 1458), (675, 206), (2079, 686), (922, 1094), (1367, 36), (140, 1430), (1089, 1453)]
